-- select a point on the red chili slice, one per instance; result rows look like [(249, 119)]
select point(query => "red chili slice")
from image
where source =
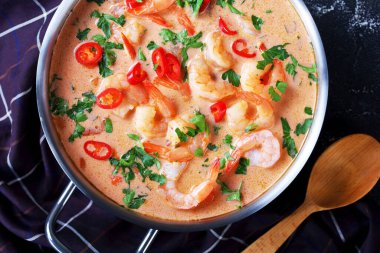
[(262, 47), (109, 98), (218, 110), (173, 70), (98, 150), (159, 61), (136, 74), (88, 53), (224, 28), (132, 4), (242, 52), (204, 5), (115, 180)]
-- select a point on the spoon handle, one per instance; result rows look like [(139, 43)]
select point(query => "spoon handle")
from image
[(272, 240)]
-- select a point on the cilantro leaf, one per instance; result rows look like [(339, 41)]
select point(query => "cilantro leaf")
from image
[(82, 35), (181, 135), (198, 152), (199, 120), (216, 129), (273, 94), (232, 77), (229, 4), (275, 52), (103, 21), (141, 55), (257, 22), (288, 141), (302, 128), (242, 167), (281, 86), (227, 139), (251, 127), (222, 163), (134, 137), (212, 147), (58, 105), (152, 45), (308, 110), (232, 194), (131, 201)]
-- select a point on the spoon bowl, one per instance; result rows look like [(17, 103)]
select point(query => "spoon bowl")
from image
[(343, 174)]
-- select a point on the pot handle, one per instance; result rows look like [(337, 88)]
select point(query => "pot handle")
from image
[(52, 218)]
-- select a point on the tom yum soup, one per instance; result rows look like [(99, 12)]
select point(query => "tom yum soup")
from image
[(183, 110)]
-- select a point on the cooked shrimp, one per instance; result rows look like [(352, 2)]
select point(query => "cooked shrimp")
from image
[(151, 6), (179, 151), (183, 88), (134, 32), (133, 94), (261, 148), (151, 120), (239, 115), (201, 83), (215, 52), (252, 79), (197, 194)]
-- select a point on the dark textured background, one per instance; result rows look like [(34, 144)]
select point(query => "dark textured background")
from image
[(353, 54)]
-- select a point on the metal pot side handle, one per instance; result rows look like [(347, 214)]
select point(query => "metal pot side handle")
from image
[(58, 207)]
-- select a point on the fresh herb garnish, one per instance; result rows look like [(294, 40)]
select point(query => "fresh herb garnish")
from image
[(131, 201), (302, 128), (251, 127), (291, 67), (103, 22), (222, 163), (136, 157), (212, 147), (134, 137), (108, 125), (308, 110), (257, 22), (199, 120), (182, 37), (152, 45), (195, 5), (181, 135), (141, 55), (281, 87), (98, 2), (275, 52), (288, 141), (232, 194), (268, 11), (229, 4), (243, 165), (58, 105), (109, 56), (216, 129), (82, 35), (198, 152), (228, 140), (232, 77)]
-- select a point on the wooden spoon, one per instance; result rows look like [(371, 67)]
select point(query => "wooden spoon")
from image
[(343, 174)]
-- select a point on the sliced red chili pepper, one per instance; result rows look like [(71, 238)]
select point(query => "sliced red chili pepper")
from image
[(218, 110), (204, 5), (159, 61), (242, 52), (98, 150), (224, 28), (115, 180), (109, 98), (131, 50), (89, 53), (173, 70), (132, 4), (262, 47), (136, 74)]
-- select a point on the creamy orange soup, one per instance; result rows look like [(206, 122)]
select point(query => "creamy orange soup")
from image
[(176, 138)]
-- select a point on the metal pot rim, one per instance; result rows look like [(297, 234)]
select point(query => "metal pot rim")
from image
[(91, 191)]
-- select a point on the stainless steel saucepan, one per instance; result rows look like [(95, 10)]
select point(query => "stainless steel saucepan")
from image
[(78, 180)]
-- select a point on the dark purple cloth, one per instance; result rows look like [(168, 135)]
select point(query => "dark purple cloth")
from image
[(31, 180)]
